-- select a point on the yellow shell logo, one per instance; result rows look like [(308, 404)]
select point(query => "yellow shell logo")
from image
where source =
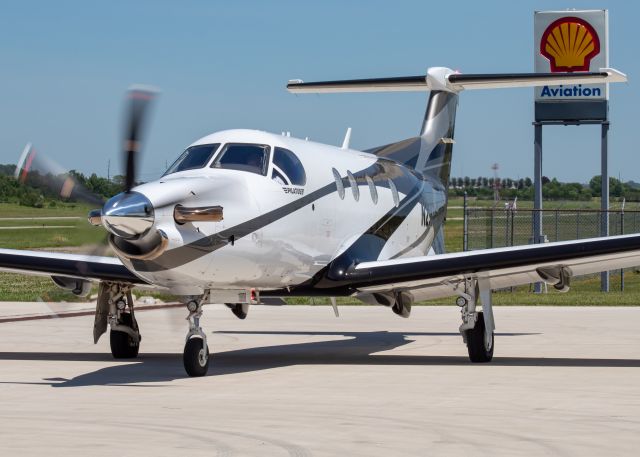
[(570, 43)]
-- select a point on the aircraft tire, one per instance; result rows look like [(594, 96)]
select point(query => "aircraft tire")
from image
[(478, 351), (122, 345), (196, 362)]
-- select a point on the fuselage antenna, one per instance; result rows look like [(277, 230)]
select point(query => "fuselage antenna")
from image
[(347, 139)]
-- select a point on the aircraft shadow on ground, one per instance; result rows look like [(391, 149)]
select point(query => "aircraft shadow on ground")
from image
[(360, 348)]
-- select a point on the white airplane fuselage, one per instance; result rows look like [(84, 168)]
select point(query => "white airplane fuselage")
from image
[(274, 236)]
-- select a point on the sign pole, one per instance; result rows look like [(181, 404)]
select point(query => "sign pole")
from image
[(604, 196), (537, 190)]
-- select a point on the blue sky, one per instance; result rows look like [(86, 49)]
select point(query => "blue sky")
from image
[(66, 64)]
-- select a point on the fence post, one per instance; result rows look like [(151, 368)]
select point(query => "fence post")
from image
[(513, 214), (465, 224), (622, 233), (493, 221), (506, 228), (557, 226)]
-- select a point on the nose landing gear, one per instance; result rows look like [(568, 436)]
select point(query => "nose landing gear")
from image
[(196, 352)]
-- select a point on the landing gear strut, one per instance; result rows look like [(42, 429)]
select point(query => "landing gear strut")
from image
[(196, 351), (115, 307), (477, 327)]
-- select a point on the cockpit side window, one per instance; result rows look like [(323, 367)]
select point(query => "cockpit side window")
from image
[(193, 157), (244, 157), (287, 168)]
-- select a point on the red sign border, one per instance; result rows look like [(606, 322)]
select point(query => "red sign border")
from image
[(587, 58)]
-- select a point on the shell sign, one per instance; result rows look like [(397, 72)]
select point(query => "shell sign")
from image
[(570, 43)]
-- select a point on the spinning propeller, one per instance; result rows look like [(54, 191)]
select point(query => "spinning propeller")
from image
[(127, 215), (139, 100), (37, 170)]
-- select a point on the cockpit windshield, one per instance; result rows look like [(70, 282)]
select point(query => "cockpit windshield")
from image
[(244, 157), (194, 157)]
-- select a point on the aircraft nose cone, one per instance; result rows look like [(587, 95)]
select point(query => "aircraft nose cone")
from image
[(128, 215)]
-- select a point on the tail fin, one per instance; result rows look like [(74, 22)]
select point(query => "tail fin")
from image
[(437, 136), (431, 152)]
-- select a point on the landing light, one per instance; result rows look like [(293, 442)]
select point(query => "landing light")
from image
[(183, 214)]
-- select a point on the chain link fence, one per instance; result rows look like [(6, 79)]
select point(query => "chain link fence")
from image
[(501, 227), (494, 227)]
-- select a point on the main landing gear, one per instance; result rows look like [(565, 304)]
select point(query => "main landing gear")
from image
[(196, 352), (477, 327), (115, 307)]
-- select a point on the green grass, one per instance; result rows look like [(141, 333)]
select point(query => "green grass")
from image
[(76, 233), (594, 203), (453, 231), (17, 287), (61, 209)]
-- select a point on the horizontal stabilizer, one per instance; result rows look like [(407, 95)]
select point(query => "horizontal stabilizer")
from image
[(399, 84), (498, 81), (440, 78)]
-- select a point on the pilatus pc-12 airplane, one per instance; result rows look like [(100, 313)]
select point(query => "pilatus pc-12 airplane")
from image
[(243, 215)]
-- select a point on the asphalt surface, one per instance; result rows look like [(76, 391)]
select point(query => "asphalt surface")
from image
[(296, 381)]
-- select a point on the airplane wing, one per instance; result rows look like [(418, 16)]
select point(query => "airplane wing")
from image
[(86, 267), (437, 276)]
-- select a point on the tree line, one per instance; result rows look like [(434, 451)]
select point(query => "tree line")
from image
[(552, 189), (44, 190), (39, 191)]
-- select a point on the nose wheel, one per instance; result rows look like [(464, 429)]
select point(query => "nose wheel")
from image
[(196, 352), (196, 357)]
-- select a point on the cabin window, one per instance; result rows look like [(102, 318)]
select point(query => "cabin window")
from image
[(287, 168), (193, 157), (394, 193), (253, 158), (339, 183), (354, 186), (372, 190)]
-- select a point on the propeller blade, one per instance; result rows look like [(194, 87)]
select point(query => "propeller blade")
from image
[(139, 101), (36, 170)]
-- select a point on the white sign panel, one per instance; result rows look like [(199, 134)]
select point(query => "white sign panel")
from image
[(571, 41)]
